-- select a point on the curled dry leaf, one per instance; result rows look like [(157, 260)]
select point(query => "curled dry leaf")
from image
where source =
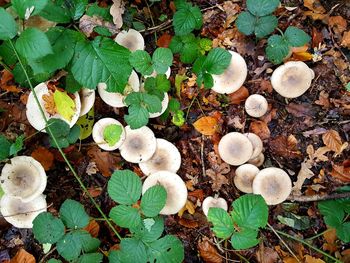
[(285, 147), (206, 125), (330, 236), (239, 96), (6, 80), (88, 23), (106, 162), (318, 155), (333, 141), (189, 206), (49, 103), (43, 156), (188, 223), (342, 172), (261, 129), (93, 228), (346, 40), (164, 40), (91, 168), (315, 6), (23, 256), (310, 259), (304, 173), (116, 11), (217, 176), (208, 252)]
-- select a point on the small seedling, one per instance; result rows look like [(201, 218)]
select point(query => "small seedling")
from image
[(187, 18), (8, 149)]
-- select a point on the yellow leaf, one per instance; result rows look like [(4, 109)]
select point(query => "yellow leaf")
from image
[(86, 122), (65, 105), (206, 125)]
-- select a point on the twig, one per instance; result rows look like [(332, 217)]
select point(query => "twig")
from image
[(46, 255), (202, 155), (315, 198)]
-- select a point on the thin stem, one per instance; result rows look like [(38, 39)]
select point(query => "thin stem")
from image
[(314, 198), (281, 32), (5, 66), (59, 148), (318, 235)]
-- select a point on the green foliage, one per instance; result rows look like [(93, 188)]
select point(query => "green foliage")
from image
[(8, 26), (347, 87), (8, 148), (47, 228), (96, 10), (17, 145), (56, 11), (262, 7), (111, 134), (73, 214), (22, 7), (186, 18), (63, 134), (249, 213)]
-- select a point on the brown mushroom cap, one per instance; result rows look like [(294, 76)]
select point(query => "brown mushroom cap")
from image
[(244, 177), (256, 105), (235, 148), (292, 79), (258, 161), (273, 184), (257, 144)]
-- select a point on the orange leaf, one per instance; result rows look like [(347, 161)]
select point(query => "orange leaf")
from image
[(106, 162), (239, 96), (93, 228), (310, 259), (208, 252), (346, 40), (206, 125), (164, 40), (260, 128), (23, 256), (49, 103), (188, 223), (5, 78), (43, 156), (341, 172), (302, 56), (330, 237), (315, 6), (332, 140)]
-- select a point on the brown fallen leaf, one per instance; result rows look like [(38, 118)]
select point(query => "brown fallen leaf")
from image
[(94, 192), (23, 256), (93, 228), (345, 42), (43, 156), (217, 175), (310, 259), (88, 23), (164, 40), (323, 100), (315, 6), (6, 82), (304, 173), (330, 237), (333, 141), (338, 24), (239, 96), (285, 147), (208, 252), (260, 128), (266, 255), (342, 172), (116, 11), (188, 223), (189, 207), (300, 109), (206, 125), (106, 162), (318, 155), (49, 103)]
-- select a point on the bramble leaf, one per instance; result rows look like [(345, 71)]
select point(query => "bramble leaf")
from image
[(8, 26), (73, 214), (296, 37), (187, 18), (47, 228), (153, 200), (244, 239), (21, 7), (277, 49), (222, 222), (265, 25), (262, 7), (142, 62), (125, 216), (246, 23)]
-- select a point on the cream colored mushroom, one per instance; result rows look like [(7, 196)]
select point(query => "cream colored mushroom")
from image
[(154, 74), (139, 145), (131, 39), (258, 161), (235, 148), (116, 99), (292, 79), (165, 103), (256, 142), (87, 100), (233, 77), (23, 178), (213, 202), (244, 177), (175, 188), (98, 134), (166, 158), (21, 214), (273, 184), (256, 105)]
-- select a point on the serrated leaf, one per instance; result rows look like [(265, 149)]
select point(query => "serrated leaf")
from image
[(174, 105), (74, 134), (8, 26), (65, 105), (189, 53), (20, 6), (162, 58), (73, 214), (5, 146), (76, 8), (149, 235), (217, 61), (208, 81), (245, 23), (124, 187), (148, 223), (176, 45), (96, 10), (277, 49), (125, 216), (6, 52), (17, 145), (262, 7), (343, 232), (168, 249), (56, 11), (47, 228), (244, 239), (142, 62), (137, 117), (222, 222), (187, 19), (52, 260), (265, 25), (139, 253), (90, 258), (333, 212), (296, 37), (111, 134), (153, 200)]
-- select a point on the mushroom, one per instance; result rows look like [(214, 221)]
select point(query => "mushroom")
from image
[(233, 77), (165, 103), (166, 158), (116, 99), (139, 145), (273, 184), (292, 79), (23, 178), (213, 202), (258, 161), (131, 39), (257, 144), (99, 136), (34, 114), (256, 105), (175, 188), (235, 148), (87, 100), (244, 177), (19, 213), (154, 74)]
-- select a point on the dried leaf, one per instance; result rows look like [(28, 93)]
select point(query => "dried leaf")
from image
[(315, 6), (323, 100), (5, 82), (106, 162), (116, 11), (43, 156), (239, 96), (333, 141), (88, 23), (93, 228), (206, 125), (91, 168), (164, 40), (338, 24), (94, 192), (341, 172), (188, 223), (208, 252), (266, 255), (302, 56), (49, 103), (285, 147), (330, 237), (217, 177), (346, 40), (260, 128), (310, 259), (300, 109), (304, 173), (189, 206), (23, 256)]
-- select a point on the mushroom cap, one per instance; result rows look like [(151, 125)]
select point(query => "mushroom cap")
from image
[(97, 134), (154, 74), (87, 100), (175, 188), (245, 175), (166, 158), (256, 105), (213, 202), (292, 79), (33, 112), (131, 39), (233, 77), (165, 103), (22, 214), (139, 145), (235, 148), (273, 184), (116, 99), (258, 161), (23, 178), (256, 142)]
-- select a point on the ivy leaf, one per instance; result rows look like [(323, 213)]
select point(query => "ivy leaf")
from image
[(125, 216), (222, 222), (124, 187), (8, 26), (73, 214), (265, 25), (17, 145), (137, 117), (187, 18), (65, 105), (162, 58), (142, 62), (166, 250), (246, 23), (47, 228), (217, 61), (153, 200), (244, 239), (90, 258), (277, 49), (296, 37), (5, 146), (111, 134), (21, 6), (262, 7)]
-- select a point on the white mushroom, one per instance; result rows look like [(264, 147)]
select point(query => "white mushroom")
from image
[(166, 158), (98, 133), (116, 99), (22, 214), (292, 79), (33, 112), (165, 103), (154, 74), (256, 105), (213, 202), (175, 188), (131, 39), (233, 77), (258, 161), (273, 184), (235, 148), (139, 145), (87, 99), (256, 142), (23, 178), (244, 177)]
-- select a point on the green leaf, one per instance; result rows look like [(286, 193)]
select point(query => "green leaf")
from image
[(73, 214), (176, 45), (277, 49), (52, 260), (333, 212), (56, 11), (208, 80), (343, 232), (178, 118), (139, 253), (71, 85), (149, 233), (265, 25), (17, 145), (124, 187), (90, 258), (262, 7), (96, 10), (6, 53), (102, 31), (20, 76), (295, 221), (89, 243), (245, 23), (21, 7), (33, 44), (347, 87), (137, 117), (71, 245), (189, 53), (162, 58), (205, 44), (101, 60), (76, 8), (166, 250), (142, 62), (244, 239), (296, 37), (157, 85), (8, 26), (125, 216), (186, 19), (74, 134), (5, 146), (174, 105), (111, 134), (217, 61), (65, 105), (153, 200), (47, 228), (222, 222), (86, 123), (250, 211), (60, 130)]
